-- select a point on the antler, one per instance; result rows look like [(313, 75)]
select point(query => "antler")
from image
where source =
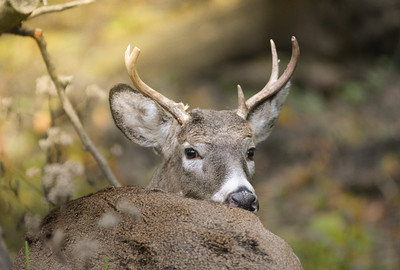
[(178, 110), (274, 84)]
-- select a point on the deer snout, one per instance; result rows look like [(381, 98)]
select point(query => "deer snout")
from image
[(244, 199)]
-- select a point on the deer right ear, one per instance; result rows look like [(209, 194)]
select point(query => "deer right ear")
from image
[(262, 109), (141, 119), (263, 117)]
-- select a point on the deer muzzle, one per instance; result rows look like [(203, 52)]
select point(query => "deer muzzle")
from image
[(245, 199)]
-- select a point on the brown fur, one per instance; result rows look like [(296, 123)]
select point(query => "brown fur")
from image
[(171, 232)]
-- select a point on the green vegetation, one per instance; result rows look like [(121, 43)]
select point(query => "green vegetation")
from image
[(27, 255), (106, 264)]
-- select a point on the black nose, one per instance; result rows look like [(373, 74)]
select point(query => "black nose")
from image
[(244, 199)]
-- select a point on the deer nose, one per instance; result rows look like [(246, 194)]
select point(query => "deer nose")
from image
[(244, 199)]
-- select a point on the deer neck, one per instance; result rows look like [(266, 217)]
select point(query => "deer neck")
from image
[(164, 178)]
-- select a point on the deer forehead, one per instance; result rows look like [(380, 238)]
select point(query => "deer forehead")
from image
[(215, 127)]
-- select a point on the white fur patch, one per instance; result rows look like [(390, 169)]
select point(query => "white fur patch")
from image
[(192, 165), (138, 113), (140, 119), (235, 180)]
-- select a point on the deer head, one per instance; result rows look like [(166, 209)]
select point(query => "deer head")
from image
[(207, 154)]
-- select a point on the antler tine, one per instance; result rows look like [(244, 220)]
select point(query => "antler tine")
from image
[(242, 108), (178, 110), (275, 84), (275, 64)]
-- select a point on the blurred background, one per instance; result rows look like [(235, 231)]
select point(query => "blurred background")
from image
[(328, 177)]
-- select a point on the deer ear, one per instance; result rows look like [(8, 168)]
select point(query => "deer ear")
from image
[(263, 117), (141, 119)]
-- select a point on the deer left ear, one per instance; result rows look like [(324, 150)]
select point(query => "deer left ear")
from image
[(141, 119), (263, 117)]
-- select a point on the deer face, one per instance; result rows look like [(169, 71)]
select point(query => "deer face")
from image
[(216, 152), (207, 154)]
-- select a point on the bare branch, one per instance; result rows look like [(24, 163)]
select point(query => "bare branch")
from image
[(58, 8), (38, 35)]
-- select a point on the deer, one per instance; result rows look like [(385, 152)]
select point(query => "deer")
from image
[(207, 154), (197, 212)]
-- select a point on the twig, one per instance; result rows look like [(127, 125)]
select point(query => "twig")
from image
[(53, 153), (58, 8), (38, 35)]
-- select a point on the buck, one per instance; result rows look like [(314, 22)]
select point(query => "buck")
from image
[(207, 154), (184, 219)]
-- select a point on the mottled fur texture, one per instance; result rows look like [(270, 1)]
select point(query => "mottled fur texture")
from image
[(166, 231)]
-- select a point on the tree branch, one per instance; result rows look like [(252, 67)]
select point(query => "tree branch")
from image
[(58, 8), (38, 35)]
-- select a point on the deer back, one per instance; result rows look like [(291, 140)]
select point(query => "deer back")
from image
[(151, 229)]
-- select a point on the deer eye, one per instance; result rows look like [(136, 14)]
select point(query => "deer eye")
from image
[(250, 153), (191, 153)]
